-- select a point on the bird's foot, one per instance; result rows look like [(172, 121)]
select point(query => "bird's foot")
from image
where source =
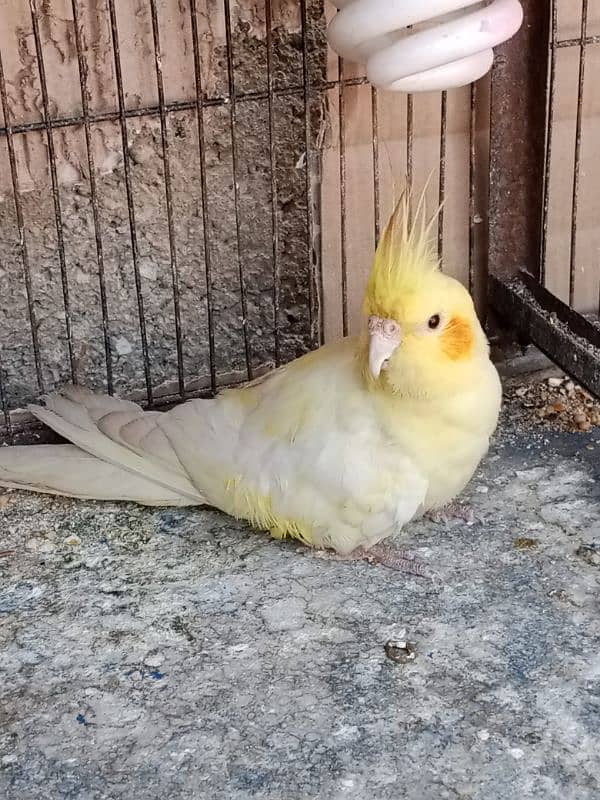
[(382, 554), (451, 511), (398, 560)]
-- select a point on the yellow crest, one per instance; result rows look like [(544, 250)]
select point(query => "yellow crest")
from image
[(405, 256)]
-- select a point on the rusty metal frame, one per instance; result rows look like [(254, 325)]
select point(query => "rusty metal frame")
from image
[(522, 109), (536, 315)]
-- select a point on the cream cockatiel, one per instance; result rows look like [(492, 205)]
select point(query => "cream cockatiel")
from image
[(338, 449)]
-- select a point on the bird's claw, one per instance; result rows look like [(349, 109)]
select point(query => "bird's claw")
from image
[(442, 516), (385, 556)]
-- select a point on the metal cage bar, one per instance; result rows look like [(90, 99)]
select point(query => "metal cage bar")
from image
[(199, 108), (442, 179), (4, 405), (236, 194), (409, 151), (343, 226), (14, 176), (549, 137), (577, 152), (175, 106), (130, 206), (168, 194), (89, 147), (587, 40), (472, 182), (273, 176), (315, 286), (376, 187), (55, 187)]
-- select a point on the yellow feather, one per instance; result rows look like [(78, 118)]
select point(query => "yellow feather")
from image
[(404, 259), (257, 509)]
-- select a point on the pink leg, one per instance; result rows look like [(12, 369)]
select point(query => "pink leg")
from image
[(391, 558), (382, 554), (453, 510)]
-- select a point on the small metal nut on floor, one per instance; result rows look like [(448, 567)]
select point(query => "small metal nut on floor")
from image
[(589, 553), (400, 651)]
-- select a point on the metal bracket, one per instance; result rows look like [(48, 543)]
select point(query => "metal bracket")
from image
[(564, 335)]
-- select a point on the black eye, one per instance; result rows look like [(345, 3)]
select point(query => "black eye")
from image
[(434, 322)]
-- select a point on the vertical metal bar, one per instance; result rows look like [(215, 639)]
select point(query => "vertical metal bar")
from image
[(168, 194), (204, 195), (343, 231), (577, 153), (273, 165), (21, 228), (129, 192), (517, 145), (315, 289), (549, 139), (236, 198), (4, 404), (409, 152), (83, 76), (375, 137), (472, 182), (55, 187), (442, 184)]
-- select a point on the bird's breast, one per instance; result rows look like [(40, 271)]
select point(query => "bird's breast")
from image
[(446, 440)]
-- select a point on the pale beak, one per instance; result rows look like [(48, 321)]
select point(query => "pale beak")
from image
[(381, 348)]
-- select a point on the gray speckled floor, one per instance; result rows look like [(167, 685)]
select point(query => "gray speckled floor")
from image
[(173, 654)]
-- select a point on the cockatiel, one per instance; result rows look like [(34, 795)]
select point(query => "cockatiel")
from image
[(338, 449)]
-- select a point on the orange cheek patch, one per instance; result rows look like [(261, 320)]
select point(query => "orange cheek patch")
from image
[(457, 339)]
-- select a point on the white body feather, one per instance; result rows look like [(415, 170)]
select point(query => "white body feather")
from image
[(309, 451)]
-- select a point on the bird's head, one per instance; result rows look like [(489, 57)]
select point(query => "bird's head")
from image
[(422, 337)]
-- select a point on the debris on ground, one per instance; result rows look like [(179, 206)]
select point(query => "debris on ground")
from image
[(589, 553), (400, 651), (555, 402), (525, 543)]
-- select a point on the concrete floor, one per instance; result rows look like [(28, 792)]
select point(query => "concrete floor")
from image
[(174, 654)]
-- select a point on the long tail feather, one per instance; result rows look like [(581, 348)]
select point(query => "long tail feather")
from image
[(115, 441), (64, 469)]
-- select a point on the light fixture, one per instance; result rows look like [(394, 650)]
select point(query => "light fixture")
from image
[(451, 44)]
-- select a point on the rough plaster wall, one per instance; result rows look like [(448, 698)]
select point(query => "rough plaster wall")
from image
[(254, 182)]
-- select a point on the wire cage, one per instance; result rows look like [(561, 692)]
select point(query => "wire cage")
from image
[(157, 170), (192, 191)]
